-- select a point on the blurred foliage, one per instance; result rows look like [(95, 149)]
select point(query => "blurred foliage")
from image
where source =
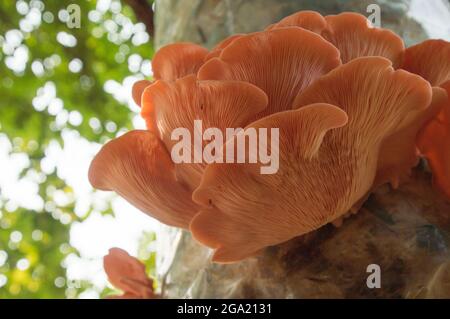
[(40, 52)]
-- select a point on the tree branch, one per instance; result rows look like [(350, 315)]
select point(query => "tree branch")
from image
[(144, 13)]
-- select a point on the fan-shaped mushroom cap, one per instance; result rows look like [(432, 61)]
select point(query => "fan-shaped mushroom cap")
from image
[(281, 62), (215, 52), (399, 152), (320, 178), (434, 143), (127, 274), (353, 35), (246, 211), (379, 100), (218, 104), (138, 89), (399, 89), (138, 167), (171, 62), (176, 60), (309, 20), (429, 59)]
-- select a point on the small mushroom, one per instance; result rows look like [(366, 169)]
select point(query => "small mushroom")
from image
[(281, 62)]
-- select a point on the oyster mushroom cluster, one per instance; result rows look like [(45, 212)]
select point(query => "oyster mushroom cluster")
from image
[(354, 109)]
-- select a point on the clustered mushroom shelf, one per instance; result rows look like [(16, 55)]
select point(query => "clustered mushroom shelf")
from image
[(356, 113)]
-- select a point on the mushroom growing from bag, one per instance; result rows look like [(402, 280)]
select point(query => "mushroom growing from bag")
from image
[(354, 110)]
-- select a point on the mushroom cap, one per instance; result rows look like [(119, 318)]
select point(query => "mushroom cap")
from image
[(176, 60), (430, 59), (321, 176), (241, 207), (138, 167), (138, 89), (218, 104), (353, 35), (399, 152), (309, 20), (217, 50), (127, 274), (347, 121)]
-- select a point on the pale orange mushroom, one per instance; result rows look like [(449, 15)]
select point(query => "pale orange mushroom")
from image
[(138, 167), (245, 211), (434, 143), (399, 152), (127, 274), (321, 175), (282, 62), (176, 60), (171, 62), (353, 35), (309, 20), (137, 90), (215, 52), (431, 60), (218, 104), (354, 126)]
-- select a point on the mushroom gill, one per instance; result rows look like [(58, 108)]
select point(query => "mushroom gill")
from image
[(215, 52), (399, 152), (138, 167), (127, 274), (429, 59), (176, 60), (354, 110), (321, 175), (241, 208), (138, 90), (281, 62), (434, 144), (309, 20)]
